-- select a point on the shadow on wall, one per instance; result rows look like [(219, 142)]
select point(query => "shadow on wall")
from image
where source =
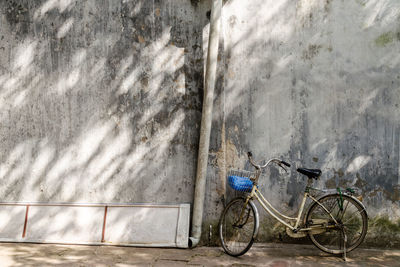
[(316, 83), (100, 102)]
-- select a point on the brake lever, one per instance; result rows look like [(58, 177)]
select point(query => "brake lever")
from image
[(280, 165)]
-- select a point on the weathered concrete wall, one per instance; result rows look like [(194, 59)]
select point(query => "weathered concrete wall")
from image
[(315, 83), (100, 100)]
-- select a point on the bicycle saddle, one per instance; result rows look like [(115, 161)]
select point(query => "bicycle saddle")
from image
[(310, 173)]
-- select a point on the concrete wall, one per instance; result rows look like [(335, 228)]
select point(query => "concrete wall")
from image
[(316, 83), (101, 100)]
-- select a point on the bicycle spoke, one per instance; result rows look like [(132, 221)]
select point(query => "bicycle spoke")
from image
[(357, 211), (344, 210), (237, 226), (354, 225), (330, 205)]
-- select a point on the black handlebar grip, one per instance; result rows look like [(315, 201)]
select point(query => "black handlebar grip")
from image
[(249, 154), (285, 163)]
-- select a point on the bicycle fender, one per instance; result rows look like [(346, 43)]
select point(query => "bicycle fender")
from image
[(354, 198), (361, 204), (358, 201)]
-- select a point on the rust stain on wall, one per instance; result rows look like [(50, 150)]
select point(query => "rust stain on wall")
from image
[(221, 163), (227, 157), (141, 39)]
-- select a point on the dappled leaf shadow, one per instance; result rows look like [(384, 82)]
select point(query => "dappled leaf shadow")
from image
[(101, 102)]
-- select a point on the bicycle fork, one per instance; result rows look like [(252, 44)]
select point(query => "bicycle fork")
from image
[(242, 212)]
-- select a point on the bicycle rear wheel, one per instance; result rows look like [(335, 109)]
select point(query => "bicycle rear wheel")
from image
[(238, 226), (352, 221)]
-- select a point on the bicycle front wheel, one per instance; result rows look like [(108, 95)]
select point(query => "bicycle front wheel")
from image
[(238, 226), (347, 233)]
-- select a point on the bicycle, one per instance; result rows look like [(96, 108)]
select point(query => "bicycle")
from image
[(336, 223)]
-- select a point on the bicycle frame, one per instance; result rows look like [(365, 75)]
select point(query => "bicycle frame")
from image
[(255, 193), (305, 223)]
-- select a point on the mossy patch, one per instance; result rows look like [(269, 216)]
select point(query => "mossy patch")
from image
[(270, 230), (273, 231), (383, 232), (362, 2), (384, 224), (384, 39), (208, 239)]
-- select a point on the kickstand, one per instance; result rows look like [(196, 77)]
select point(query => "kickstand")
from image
[(344, 245)]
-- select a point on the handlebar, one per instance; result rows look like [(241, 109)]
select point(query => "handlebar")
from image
[(274, 160)]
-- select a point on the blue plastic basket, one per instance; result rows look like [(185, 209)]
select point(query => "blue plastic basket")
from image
[(240, 180)]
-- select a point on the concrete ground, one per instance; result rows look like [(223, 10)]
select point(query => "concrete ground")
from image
[(277, 255)]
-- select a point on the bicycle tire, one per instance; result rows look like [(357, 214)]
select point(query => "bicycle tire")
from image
[(236, 236), (351, 216)]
